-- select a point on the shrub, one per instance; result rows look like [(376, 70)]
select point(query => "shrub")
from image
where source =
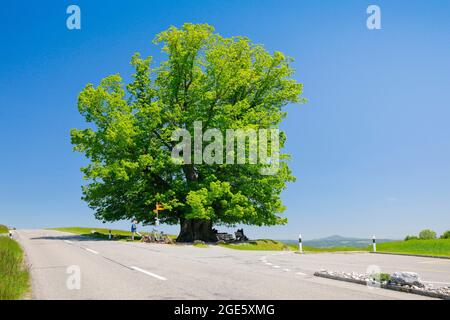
[(427, 234), (411, 238), (446, 235), (380, 277)]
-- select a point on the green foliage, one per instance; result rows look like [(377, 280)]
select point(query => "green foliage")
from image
[(408, 237), (381, 277), (14, 277), (3, 229), (427, 234), (436, 247), (227, 83), (446, 235)]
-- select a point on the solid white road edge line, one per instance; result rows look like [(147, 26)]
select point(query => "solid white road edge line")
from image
[(92, 251), (149, 273)]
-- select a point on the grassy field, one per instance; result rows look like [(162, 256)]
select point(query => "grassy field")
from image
[(309, 249), (261, 245), (101, 233), (272, 245), (14, 277), (3, 229), (438, 247)]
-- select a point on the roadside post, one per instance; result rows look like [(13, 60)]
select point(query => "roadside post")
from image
[(158, 208), (110, 235), (10, 234), (374, 244), (300, 244)]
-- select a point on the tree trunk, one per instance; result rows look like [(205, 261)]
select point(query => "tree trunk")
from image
[(194, 229)]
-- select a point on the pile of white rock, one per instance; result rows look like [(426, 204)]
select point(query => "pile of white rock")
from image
[(406, 280)]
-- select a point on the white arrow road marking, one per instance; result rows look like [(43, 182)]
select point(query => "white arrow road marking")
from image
[(149, 273), (92, 251)]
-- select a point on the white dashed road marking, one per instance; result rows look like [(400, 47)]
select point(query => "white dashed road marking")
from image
[(149, 273), (91, 251), (301, 274), (68, 241)]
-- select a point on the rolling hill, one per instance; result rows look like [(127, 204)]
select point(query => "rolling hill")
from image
[(337, 241)]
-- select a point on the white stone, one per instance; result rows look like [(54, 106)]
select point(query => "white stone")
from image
[(406, 279)]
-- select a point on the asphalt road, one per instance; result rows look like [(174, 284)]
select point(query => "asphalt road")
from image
[(125, 270)]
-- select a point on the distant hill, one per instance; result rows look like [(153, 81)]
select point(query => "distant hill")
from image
[(337, 241)]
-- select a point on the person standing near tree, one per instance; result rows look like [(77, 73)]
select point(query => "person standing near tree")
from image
[(133, 229)]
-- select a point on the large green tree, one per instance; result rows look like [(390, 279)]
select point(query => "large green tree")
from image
[(227, 83)]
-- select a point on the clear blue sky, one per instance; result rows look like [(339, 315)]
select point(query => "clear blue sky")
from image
[(371, 149)]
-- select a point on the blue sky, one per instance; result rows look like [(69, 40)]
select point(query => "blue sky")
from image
[(371, 149)]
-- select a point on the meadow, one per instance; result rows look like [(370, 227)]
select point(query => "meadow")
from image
[(434, 247), (14, 276)]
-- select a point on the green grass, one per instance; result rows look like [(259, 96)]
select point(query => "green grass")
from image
[(200, 245), (14, 276), (266, 245), (273, 245), (102, 233), (438, 247), (3, 229)]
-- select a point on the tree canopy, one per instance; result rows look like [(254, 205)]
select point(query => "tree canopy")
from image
[(226, 83)]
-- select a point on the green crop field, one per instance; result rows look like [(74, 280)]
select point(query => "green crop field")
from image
[(437, 247), (14, 277)]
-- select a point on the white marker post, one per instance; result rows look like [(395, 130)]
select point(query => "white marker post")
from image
[(10, 234), (110, 235), (300, 245), (374, 244)]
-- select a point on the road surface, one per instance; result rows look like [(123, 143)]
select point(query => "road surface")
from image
[(125, 270)]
